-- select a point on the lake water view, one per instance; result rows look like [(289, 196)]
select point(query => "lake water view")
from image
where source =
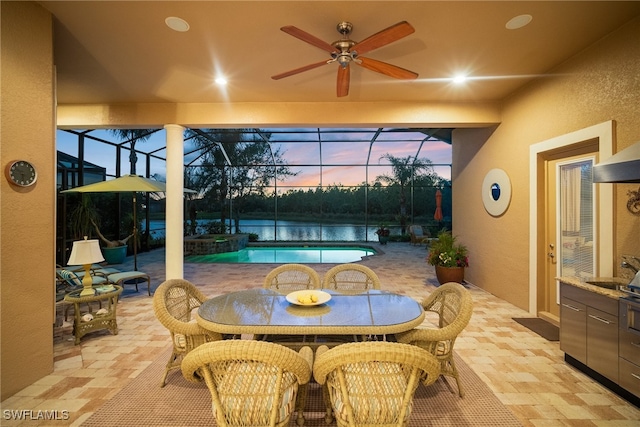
[(289, 231)]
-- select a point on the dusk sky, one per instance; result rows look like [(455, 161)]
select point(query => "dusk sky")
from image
[(339, 154)]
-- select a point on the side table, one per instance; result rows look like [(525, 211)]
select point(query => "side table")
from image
[(104, 321)]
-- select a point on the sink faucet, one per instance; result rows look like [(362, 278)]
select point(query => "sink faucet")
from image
[(632, 267), (636, 279)]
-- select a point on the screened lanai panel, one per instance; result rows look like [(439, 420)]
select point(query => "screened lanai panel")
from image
[(304, 176), (345, 152), (326, 195), (397, 148), (443, 171), (343, 175), (299, 153)]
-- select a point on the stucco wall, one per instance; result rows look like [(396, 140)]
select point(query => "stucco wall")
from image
[(598, 85), (27, 216)]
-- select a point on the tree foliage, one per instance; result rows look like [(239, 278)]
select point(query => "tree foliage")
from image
[(234, 165), (132, 136), (404, 172)]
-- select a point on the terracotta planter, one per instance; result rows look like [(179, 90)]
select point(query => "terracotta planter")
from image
[(449, 274)]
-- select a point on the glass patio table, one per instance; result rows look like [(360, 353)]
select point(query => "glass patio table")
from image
[(263, 311)]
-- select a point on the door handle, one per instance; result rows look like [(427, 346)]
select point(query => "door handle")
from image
[(600, 319), (552, 254), (570, 307)]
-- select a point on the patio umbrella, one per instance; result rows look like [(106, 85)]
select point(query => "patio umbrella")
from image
[(438, 214), (125, 184)]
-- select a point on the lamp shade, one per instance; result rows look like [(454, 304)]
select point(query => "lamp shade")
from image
[(85, 252)]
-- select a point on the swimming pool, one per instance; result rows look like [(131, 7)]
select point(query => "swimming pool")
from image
[(287, 255)]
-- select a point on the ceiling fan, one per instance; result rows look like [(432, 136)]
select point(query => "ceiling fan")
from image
[(346, 51)]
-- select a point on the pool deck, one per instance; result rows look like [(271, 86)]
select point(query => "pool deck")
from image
[(525, 371)]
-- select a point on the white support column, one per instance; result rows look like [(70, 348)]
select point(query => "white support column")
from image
[(175, 202)]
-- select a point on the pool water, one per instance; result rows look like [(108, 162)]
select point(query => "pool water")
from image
[(287, 255)]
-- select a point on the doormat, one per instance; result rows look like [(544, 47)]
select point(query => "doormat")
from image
[(541, 327)]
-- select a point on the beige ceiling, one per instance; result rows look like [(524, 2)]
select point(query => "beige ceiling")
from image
[(122, 52)]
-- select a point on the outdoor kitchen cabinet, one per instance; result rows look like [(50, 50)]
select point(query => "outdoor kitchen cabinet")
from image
[(589, 329), (573, 329), (629, 362)]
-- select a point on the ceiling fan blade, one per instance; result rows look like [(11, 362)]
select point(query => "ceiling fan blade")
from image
[(386, 69), (306, 37), (343, 81), (384, 37), (298, 70)]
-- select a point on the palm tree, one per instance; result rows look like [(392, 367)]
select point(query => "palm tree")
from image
[(132, 136), (404, 171)]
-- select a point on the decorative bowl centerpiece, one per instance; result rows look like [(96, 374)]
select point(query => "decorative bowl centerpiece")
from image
[(308, 297)]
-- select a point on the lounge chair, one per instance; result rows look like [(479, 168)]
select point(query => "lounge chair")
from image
[(130, 278), (417, 235), (114, 276)]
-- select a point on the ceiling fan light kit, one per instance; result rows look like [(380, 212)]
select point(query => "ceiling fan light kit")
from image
[(346, 51)]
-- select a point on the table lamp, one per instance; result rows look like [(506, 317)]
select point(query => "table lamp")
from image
[(86, 252)]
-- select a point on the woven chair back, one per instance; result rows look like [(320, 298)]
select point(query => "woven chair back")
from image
[(178, 298), (292, 277), (252, 383), (350, 278), (452, 302), (373, 383), (174, 303)]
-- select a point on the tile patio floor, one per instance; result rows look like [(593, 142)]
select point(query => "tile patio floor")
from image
[(525, 371)]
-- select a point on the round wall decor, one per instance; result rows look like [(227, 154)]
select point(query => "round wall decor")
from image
[(496, 192)]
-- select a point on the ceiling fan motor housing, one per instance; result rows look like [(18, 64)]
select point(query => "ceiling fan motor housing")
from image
[(343, 57), (344, 28)]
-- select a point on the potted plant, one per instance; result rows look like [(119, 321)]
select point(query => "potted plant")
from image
[(449, 258), (383, 234), (82, 218), (114, 251)]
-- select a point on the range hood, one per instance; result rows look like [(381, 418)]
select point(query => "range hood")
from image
[(622, 167)]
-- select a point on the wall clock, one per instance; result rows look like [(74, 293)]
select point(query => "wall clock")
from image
[(21, 173)]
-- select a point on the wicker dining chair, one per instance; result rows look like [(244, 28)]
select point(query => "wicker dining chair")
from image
[(453, 305), (252, 383), (292, 277), (350, 278), (372, 383), (173, 303)]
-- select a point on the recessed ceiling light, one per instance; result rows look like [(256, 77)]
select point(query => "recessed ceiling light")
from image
[(177, 24), (518, 22), (221, 81), (459, 79)]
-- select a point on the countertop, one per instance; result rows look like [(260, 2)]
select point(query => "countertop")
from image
[(580, 283)]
